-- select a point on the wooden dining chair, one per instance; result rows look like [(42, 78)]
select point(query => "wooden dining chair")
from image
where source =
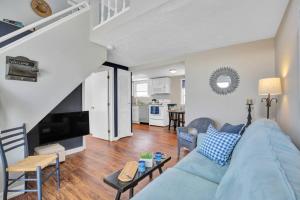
[(172, 118), (181, 119), (12, 139)]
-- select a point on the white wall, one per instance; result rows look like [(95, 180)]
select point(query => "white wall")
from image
[(20, 10), (175, 95), (66, 57), (287, 66), (252, 61)]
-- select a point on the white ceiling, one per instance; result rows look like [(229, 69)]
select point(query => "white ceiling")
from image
[(176, 27), (155, 72)]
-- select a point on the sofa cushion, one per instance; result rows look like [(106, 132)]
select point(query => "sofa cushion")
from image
[(228, 128), (175, 184), (263, 166), (201, 166), (218, 147)]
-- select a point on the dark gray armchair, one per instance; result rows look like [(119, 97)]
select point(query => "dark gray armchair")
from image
[(187, 136)]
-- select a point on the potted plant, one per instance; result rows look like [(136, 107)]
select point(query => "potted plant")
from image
[(148, 158)]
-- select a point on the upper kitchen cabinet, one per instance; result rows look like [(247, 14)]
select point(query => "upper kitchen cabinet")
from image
[(160, 86)]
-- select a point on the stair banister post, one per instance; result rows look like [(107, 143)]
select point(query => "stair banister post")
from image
[(116, 7)]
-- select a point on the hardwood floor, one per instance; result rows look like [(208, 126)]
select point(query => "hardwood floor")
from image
[(82, 173)]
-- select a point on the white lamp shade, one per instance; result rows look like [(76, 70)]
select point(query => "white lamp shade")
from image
[(270, 86)]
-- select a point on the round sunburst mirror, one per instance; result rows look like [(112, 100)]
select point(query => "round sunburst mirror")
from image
[(224, 80)]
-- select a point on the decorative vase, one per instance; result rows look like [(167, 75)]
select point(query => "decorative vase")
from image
[(148, 162)]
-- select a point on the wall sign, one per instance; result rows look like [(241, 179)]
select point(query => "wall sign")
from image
[(21, 68)]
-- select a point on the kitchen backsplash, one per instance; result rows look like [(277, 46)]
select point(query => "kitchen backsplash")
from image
[(147, 100)]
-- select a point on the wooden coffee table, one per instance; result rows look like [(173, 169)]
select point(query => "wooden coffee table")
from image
[(121, 187)]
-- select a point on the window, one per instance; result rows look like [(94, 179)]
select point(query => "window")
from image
[(182, 91), (141, 89)]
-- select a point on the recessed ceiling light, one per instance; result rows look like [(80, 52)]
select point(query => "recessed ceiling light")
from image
[(172, 71)]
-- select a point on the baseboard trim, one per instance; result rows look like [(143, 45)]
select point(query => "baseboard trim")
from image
[(75, 150), (13, 194)]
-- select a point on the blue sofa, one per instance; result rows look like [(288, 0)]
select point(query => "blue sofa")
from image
[(265, 165)]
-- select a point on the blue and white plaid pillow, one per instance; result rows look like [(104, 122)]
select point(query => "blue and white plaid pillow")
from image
[(218, 146)]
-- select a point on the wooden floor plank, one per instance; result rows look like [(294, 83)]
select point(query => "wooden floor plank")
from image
[(82, 173)]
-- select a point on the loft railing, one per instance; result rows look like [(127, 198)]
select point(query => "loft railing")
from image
[(62, 15), (109, 10)]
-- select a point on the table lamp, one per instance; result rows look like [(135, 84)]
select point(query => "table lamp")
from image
[(269, 87)]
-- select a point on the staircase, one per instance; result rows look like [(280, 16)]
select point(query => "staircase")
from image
[(61, 45)]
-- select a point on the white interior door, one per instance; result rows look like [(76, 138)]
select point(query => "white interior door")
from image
[(96, 102), (124, 103)]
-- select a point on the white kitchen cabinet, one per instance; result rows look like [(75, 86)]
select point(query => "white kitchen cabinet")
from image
[(160, 86)]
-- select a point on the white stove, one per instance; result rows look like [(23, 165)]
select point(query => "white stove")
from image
[(158, 113)]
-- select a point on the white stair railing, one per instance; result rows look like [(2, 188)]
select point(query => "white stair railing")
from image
[(110, 9), (62, 15)]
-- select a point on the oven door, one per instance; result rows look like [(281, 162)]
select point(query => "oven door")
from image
[(154, 112)]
